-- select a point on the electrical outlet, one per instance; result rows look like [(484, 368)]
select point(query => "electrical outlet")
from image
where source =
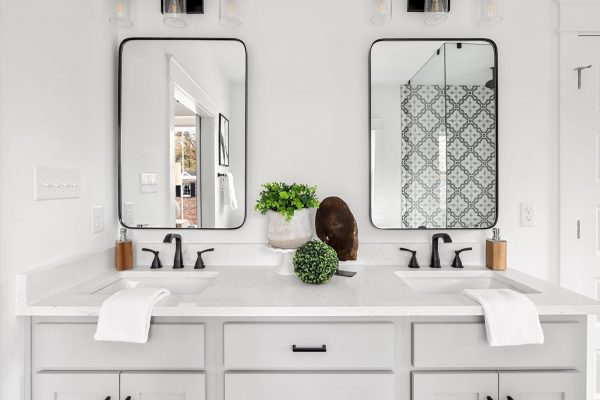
[(97, 219), (527, 214)]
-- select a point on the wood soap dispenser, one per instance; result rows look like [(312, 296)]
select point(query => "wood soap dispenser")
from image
[(123, 252), (495, 252)]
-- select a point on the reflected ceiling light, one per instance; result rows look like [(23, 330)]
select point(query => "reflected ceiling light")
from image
[(382, 12), (491, 12), (436, 11), (174, 13), (121, 14), (229, 13)]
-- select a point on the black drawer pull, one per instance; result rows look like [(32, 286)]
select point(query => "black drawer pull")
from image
[(509, 398), (489, 398), (321, 349), (107, 398), (128, 398)]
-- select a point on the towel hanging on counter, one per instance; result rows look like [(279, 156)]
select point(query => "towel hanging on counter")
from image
[(511, 318), (227, 187), (125, 316)]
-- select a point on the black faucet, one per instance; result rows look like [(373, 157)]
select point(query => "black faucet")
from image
[(435, 254), (178, 260)]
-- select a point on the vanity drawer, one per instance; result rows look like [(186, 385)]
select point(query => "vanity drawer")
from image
[(314, 386), (465, 345), (309, 345), (71, 345)]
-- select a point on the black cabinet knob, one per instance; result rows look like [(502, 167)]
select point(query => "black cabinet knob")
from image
[(509, 398)]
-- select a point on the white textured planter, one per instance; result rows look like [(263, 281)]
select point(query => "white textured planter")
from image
[(290, 234)]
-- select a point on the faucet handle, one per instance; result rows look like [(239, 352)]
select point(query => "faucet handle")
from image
[(199, 261), (413, 263), (457, 262), (156, 262)]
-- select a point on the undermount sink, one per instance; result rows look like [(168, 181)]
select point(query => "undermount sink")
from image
[(454, 282), (178, 283)]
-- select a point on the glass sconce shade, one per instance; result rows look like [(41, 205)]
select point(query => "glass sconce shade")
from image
[(229, 13), (436, 11), (382, 12), (491, 12), (174, 13), (121, 15)]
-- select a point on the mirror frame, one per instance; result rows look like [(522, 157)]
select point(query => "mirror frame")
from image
[(495, 48), (120, 133)]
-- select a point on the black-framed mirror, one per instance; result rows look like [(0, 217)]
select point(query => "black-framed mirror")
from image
[(433, 107), (180, 165)]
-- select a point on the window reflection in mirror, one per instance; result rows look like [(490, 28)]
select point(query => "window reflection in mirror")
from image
[(433, 134), (175, 95)]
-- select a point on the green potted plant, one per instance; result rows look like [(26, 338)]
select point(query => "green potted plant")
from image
[(287, 209)]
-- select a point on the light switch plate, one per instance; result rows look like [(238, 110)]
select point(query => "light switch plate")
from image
[(148, 183), (52, 183), (527, 214), (97, 219)]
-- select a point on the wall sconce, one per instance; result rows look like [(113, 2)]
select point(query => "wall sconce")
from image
[(382, 12), (174, 13), (436, 11), (229, 13), (491, 12), (121, 15)]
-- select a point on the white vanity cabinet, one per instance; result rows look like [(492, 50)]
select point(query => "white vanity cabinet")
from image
[(319, 358), (51, 385), (126, 385), (455, 385), (450, 385), (309, 385), (177, 385)]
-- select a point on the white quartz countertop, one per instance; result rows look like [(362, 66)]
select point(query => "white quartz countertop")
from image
[(255, 291)]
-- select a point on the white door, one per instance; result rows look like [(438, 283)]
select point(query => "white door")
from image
[(541, 386), (163, 386), (76, 386), (309, 386), (455, 386), (580, 179)]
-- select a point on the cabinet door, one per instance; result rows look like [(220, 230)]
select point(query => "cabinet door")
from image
[(541, 386), (309, 386), (76, 386), (455, 386), (163, 386)]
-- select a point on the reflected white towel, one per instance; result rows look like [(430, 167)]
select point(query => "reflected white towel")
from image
[(511, 319), (229, 192), (125, 316)]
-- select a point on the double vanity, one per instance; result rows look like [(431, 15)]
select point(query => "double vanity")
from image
[(238, 330), (248, 333)]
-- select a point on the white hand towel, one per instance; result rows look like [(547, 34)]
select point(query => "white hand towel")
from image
[(511, 319), (125, 316), (231, 198)]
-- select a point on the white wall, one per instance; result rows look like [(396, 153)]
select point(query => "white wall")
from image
[(308, 109), (57, 108), (308, 122)]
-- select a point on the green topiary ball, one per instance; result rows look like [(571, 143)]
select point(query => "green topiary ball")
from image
[(315, 262)]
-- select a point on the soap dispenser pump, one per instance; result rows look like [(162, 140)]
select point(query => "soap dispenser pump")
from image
[(495, 252)]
